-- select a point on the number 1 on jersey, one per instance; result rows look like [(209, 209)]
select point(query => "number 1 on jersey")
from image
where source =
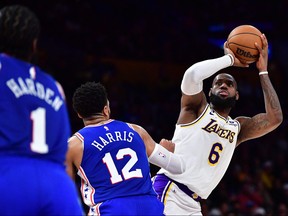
[(38, 143)]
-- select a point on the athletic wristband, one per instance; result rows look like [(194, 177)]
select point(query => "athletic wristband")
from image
[(231, 58), (263, 72)]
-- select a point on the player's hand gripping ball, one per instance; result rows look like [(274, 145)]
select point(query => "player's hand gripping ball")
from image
[(241, 41)]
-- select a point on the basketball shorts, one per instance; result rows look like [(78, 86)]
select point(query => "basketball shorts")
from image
[(36, 187), (132, 205), (176, 201)]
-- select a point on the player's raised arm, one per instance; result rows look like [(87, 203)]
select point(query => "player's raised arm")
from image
[(262, 123)]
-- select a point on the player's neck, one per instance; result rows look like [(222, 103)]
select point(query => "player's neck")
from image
[(96, 120), (222, 112)]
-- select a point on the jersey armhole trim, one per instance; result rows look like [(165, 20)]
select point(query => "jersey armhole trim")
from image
[(198, 119)]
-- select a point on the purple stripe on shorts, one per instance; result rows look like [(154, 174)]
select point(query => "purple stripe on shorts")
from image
[(161, 184)]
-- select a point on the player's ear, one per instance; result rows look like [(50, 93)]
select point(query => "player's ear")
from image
[(210, 92), (106, 110), (79, 116), (237, 95)]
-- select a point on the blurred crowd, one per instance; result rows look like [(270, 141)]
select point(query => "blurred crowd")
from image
[(77, 36)]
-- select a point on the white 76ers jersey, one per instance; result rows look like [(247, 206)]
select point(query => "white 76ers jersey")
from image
[(206, 145)]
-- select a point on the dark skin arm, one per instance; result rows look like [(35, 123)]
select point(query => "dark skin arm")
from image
[(149, 142), (193, 105), (73, 156), (262, 123)]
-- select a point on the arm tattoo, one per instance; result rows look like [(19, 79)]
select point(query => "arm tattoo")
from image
[(271, 99)]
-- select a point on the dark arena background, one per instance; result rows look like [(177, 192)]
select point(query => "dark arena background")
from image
[(140, 50)]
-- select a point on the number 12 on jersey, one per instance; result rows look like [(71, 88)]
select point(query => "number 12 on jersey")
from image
[(126, 170)]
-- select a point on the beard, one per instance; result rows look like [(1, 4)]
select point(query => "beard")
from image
[(221, 103)]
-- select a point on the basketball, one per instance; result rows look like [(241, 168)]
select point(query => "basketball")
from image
[(241, 41)]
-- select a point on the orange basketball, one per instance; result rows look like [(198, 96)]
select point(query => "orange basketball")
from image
[(241, 41)]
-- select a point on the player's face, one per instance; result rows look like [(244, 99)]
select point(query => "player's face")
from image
[(223, 93)]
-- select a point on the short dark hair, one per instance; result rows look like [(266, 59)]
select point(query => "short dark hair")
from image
[(19, 27), (89, 99)]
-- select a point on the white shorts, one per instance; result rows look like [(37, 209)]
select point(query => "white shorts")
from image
[(176, 202)]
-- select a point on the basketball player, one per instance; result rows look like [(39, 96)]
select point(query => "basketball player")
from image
[(111, 158), (206, 136), (34, 126)]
